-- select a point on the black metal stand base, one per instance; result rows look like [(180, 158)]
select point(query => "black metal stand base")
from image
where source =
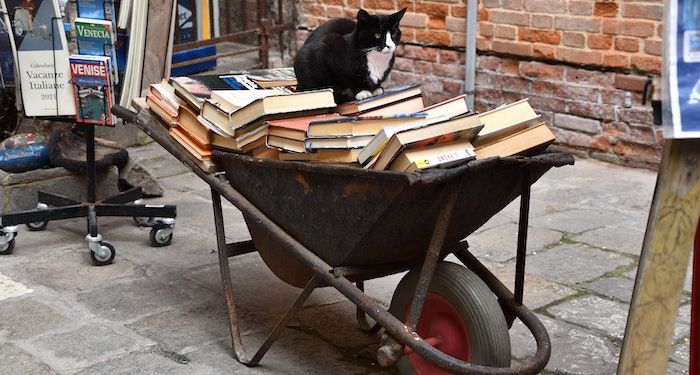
[(161, 218)]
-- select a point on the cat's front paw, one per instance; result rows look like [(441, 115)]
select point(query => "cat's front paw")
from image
[(378, 91), (364, 94)]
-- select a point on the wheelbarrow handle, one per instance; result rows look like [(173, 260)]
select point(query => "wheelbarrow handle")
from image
[(124, 113)]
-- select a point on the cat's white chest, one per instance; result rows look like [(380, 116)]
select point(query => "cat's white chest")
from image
[(377, 64)]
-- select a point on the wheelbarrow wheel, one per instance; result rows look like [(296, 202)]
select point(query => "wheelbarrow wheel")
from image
[(461, 317)]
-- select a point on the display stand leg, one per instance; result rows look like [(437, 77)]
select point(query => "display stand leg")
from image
[(161, 219)]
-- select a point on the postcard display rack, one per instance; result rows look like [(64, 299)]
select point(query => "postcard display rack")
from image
[(160, 218)]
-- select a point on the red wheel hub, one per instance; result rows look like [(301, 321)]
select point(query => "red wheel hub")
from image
[(442, 326)]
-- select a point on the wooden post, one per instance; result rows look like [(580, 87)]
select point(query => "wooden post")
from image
[(664, 260)]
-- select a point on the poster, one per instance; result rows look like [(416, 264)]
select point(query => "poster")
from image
[(683, 61)]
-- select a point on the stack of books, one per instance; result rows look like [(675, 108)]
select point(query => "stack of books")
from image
[(94, 67), (391, 131)]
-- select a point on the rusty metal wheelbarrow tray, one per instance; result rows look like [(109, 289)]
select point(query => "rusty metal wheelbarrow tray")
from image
[(317, 225)]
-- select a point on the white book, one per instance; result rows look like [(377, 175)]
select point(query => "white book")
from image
[(42, 56)]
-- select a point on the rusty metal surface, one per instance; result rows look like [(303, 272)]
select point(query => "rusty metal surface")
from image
[(354, 217)]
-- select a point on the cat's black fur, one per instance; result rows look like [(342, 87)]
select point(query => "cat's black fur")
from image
[(335, 55)]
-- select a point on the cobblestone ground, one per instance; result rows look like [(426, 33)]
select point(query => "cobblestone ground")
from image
[(160, 310)]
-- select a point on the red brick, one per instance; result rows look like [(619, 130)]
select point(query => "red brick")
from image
[(571, 39), (572, 138), (509, 17), (615, 60), (334, 12), (458, 40), (484, 78), (453, 87), (433, 37), (566, 91), (642, 135), (599, 41), (431, 9), (646, 11), (488, 95), (642, 29), (637, 115), (646, 64), (460, 11), (653, 47), (540, 21), (613, 96), (544, 51), (451, 71), (426, 54), (315, 10), (626, 44), (592, 110), (540, 70), (483, 44), (505, 32), (422, 67), (601, 143), (605, 9), (403, 64), (378, 4), (334, 2), (638, 153), (510, 66), (660, 31), (436, 23), (449, 57), (615, 129), (577, 23), (581, 124), (455, 24), (630, 82), (512, 4), (542, 104), (400, 4), (545, 6), (589, 77), (513, 48), (580, 8), (579, 56), (486, 29), (488, 63), (490, 3), (482, 15), (414, 20), (511, 84), (539, 36)]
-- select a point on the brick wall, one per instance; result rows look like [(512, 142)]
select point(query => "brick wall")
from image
[(582, 63)]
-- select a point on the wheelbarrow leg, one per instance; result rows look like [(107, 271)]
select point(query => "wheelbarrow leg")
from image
[(223, 251), (390, 352)]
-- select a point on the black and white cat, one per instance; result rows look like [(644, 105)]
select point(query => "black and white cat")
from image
[(352, 58)]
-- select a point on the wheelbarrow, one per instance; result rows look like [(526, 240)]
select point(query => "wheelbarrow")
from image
[(318, 225)]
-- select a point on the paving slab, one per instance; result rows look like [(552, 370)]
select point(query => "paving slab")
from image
[(574, 350), (10, 288), (149, 363), (619, 288), (595, 314), (76, 349), (571, 264), (681, 353), (23, 318), (573, 221), (16, 361), (499, 244), (622, 237), (538, 291)]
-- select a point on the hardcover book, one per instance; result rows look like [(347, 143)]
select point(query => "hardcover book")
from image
[(42, 55), (95, 37), (92, 89)]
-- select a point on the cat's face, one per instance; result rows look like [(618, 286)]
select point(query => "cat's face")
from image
[(378, 32)]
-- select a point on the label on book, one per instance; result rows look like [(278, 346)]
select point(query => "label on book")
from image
[(92, 89), (95, 37), (42, 55), (433, 161)]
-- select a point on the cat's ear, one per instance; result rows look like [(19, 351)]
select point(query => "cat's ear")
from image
[(396, 17), (363, 16)]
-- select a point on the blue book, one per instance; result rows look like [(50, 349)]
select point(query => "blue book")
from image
[(96, 9)]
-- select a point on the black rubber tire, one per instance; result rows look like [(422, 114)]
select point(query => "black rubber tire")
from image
[(36, 226), (156, 240), (103, 261), (10, 248), (140, 221), (475, 303)]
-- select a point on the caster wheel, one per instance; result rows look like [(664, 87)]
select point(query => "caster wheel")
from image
[(107, 259), (37, 225), (461, 314), (161, 236), (7, 248), (140, 221)]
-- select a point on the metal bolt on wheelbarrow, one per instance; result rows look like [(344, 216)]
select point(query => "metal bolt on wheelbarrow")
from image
[(315, 225)]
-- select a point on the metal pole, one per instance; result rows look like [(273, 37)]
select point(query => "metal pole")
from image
[(522, 234), (470, 53), (695, 309)]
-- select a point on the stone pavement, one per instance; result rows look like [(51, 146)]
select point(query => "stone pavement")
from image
[(160, 310)]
